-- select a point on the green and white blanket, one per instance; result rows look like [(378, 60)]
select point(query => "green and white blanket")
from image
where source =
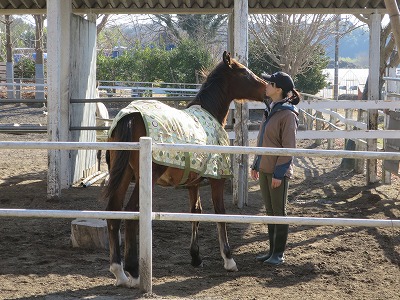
[(193, 125)]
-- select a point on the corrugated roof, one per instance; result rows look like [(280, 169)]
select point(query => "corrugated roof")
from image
[(198, 6)]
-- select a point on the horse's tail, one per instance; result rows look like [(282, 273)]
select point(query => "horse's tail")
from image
[(121, 133)]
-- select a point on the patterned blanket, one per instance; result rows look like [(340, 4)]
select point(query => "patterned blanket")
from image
[(193, 125)]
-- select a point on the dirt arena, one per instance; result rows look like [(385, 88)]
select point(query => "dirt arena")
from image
[(37, 260)]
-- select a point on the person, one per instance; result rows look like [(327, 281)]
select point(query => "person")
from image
[(278, 130)]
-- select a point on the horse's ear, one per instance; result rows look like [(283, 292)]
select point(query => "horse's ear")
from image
[(226, 57)]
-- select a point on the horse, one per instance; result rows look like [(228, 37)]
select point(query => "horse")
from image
[(228, 81)]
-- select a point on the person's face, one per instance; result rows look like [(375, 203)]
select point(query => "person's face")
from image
[(272, 91)]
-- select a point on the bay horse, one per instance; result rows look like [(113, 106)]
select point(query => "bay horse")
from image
[(228, 81)]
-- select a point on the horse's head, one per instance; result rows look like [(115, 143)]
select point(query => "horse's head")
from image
[(242, 82), (228, 81)]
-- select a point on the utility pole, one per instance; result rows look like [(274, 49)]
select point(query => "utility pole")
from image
[(336, 78)]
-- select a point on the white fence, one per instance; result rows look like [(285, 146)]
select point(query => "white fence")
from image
[(327, 106), (149, 89), (146, 216)]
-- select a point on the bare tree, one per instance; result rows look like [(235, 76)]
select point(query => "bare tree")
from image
[(8, 22), (194, 26), (39, 66), (102, 23), (9, 57), (394, 16), (124, 30), (291, 40)]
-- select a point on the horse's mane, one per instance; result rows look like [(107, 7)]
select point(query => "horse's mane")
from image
[(212, 95)]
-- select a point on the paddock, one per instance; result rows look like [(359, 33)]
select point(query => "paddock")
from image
[(341, 262)]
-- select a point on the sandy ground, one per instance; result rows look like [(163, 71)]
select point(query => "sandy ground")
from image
[(37, 260)]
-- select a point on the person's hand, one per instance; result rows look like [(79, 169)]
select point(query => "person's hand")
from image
[(275, 183), (254, 174)]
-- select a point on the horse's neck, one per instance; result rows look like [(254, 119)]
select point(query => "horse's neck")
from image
[(216, 108), (215, 101)]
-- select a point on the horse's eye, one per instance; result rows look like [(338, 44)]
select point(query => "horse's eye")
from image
[(244, 71), (248, 73)]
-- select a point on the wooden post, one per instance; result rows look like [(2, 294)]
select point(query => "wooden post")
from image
[(391, 87), (386, 175), (348, 112), (310, 119), (332, 120), (373, 91), (318, 125), (145, 218), (360, 163), (240, 50), (58, 32)]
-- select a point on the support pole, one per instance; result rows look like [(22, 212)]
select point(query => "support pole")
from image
[(145, 218), (240, 50), (58, 32), (373, 92)]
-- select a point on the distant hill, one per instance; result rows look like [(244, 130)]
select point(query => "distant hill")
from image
[(354, 45)]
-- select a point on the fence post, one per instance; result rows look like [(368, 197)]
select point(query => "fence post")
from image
[(145, 216), (310, 119), (318, 125), (373, 91), (386, 175), (359, 163), (18, 88), (332, 119)]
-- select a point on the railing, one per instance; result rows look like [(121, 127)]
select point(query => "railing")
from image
[(146, 89), (145, 214), (312, 111)]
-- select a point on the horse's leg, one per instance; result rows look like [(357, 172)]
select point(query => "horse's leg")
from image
[(195, 207), (98, 159), (131, 237), (116, 193), (217, 193), (115, 203), (132, 226)]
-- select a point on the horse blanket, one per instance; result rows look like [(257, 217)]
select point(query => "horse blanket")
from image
[(193, 125)]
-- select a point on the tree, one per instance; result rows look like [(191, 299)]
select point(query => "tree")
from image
[(39, 65), (194, 26), (181, 64), (127, 31), (291, 40), (103, 22), (24, 68), (309, 82), (189, 60), (313, 80), (8, 21), (9, 57), (394, 16)]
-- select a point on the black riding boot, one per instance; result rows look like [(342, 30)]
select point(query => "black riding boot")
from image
[(271, 230), (281, 234)]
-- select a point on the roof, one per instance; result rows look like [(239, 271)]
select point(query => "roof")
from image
[(198, 6)]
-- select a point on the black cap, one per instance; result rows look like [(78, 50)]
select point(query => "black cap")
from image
[(281, 79)]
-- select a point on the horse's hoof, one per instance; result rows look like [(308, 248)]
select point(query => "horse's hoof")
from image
[(128, 282), (200, 265), (230, 265), (132, 282), (197, 263), (122, 279)]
